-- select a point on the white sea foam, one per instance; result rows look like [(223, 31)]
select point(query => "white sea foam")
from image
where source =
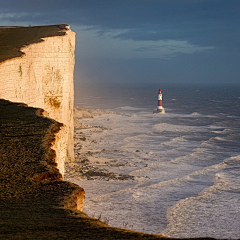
[(180, 171), (128, 108), (185, 163), (169, 127), (211, 211), (220, 139), (195, 114)]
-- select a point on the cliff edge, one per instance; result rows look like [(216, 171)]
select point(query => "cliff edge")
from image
[(36, 68)]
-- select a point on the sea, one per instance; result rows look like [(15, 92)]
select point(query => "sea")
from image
[(180, 170)]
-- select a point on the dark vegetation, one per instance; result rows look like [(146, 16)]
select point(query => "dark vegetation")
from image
[(12, 39)]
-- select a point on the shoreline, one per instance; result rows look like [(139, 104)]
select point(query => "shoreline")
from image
[(85, 166), (35, 203), (102, 191)]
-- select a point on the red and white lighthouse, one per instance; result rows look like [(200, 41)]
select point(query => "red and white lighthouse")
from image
[(160, 108)]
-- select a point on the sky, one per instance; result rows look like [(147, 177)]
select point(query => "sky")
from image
[(169, 41)]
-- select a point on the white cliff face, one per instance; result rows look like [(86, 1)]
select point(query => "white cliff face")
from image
[(43, 78)]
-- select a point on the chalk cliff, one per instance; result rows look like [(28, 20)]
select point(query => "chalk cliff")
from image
[(42, 77)]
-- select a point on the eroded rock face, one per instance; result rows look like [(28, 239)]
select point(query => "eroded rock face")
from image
[(43, 78)]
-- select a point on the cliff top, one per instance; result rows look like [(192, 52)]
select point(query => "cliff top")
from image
[(12, 39)]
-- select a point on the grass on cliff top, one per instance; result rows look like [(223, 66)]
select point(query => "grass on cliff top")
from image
[(12, 39)]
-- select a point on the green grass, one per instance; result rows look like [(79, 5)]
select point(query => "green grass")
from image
[(12, 39)]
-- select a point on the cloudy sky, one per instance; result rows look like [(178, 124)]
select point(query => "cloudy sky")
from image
[(143, 40)]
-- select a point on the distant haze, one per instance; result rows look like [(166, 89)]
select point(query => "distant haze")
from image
[(143, 40)]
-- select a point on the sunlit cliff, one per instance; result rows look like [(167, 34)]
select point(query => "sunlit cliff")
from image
[(42, 76)]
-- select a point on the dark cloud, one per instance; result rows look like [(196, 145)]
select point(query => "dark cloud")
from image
[(197, 21)]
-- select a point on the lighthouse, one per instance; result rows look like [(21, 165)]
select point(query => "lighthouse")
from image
[(160, 108)]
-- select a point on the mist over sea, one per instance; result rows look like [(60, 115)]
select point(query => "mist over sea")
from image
[(181, 169)]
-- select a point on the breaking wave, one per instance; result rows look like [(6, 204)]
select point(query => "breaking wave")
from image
[(176, 173)]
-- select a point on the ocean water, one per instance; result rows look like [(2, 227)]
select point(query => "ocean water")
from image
[(181, 168)]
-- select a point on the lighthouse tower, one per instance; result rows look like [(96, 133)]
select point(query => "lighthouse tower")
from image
[(160, 108)]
